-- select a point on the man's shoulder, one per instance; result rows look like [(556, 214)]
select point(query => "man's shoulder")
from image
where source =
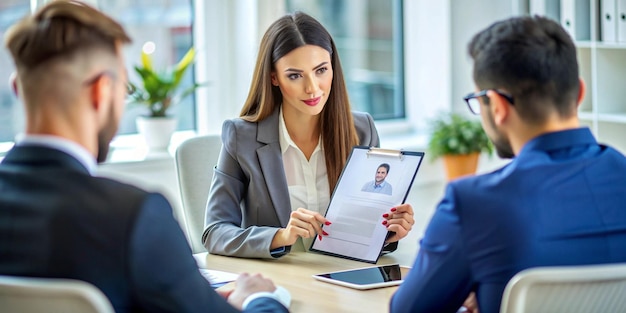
[(117, 185), (98, 193), (476, 184)]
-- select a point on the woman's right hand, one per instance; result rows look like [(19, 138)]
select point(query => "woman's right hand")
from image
[(302, 223)]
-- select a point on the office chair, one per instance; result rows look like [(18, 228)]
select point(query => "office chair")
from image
[(571, 289), (28, 294), (195, 160)]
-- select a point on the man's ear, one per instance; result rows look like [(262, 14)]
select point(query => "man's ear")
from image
[(101, 94), (13, 83), (499, 106), (581, 91)]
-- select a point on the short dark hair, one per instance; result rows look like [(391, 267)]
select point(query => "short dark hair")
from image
[(385, 165), (534, 59)]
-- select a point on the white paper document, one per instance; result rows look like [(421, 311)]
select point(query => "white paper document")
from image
[(372, 182), (218, 278)]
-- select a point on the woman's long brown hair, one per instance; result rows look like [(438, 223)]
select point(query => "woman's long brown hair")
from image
[(336, 123)]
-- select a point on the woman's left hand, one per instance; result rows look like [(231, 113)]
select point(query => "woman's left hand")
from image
[(399, 220)]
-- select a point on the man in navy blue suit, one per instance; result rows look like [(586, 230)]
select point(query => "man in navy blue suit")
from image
[(560, 201), (59, 221)]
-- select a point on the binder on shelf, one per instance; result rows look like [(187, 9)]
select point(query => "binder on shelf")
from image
[(548, 8), (608, 20), (621, 20), (576, 19)]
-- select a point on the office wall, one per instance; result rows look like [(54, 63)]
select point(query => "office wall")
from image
[(427, 47), (467, 18)]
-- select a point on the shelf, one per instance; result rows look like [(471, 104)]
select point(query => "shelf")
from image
[(601, 64)]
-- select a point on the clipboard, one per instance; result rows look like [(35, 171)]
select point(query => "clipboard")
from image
[(373, 181)]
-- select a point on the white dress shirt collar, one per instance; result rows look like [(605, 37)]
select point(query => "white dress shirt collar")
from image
[(59, 143)]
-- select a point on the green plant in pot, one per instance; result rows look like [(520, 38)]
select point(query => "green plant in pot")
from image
[(459, 141), (159, 90)]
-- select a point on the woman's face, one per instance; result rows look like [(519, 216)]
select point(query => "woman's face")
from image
[(304, 77)]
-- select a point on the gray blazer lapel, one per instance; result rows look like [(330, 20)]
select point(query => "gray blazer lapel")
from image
[(271, 163)]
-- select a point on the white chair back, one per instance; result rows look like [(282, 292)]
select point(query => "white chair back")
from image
[(195, 160), (571, 289), (34, 295)]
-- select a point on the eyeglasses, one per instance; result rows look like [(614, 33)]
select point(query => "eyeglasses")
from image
[(130, 88), (473, 103)]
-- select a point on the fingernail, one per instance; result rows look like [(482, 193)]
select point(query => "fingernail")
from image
[(325, 233), (393, 209), (384, 222), (386, 215), (327, 223), (320, 237)]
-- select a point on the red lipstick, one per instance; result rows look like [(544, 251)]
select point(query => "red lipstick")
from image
[(312, 102)]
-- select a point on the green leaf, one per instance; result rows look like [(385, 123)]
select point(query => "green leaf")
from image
[(159, 89), (453, 133)]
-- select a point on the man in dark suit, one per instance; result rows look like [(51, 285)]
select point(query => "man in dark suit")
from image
[(559, 202), (59, 221)]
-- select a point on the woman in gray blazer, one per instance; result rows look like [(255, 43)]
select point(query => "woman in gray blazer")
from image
[(287, 149)]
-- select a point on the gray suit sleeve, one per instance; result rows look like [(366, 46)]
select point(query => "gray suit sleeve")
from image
[(224, 218)]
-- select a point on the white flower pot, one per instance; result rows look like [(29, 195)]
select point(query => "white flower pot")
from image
[(156, 131)]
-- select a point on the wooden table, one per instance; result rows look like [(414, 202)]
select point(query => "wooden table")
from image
[(294, 271)]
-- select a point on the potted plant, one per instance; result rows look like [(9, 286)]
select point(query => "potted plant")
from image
[(459, 141), (159, 91)]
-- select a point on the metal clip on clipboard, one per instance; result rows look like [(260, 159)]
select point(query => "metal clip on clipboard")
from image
[(385, 152)]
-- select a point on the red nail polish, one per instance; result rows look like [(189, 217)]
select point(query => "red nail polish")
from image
[(320, 237), (327, 223), (384, 222), (393, 209), (324, 233), (386, 215)]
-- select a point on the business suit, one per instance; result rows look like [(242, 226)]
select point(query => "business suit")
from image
[(249, 197), (559, 202), (58, 221)]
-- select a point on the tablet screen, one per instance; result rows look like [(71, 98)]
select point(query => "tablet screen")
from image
[(367, 276)]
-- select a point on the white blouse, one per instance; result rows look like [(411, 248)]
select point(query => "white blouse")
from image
[(307, 179)]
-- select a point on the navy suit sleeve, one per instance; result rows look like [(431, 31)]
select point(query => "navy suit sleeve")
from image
[(440, 279), (164, 274)]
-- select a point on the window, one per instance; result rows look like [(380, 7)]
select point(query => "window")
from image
[(368, 35), (166, 23), (11, 114)]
